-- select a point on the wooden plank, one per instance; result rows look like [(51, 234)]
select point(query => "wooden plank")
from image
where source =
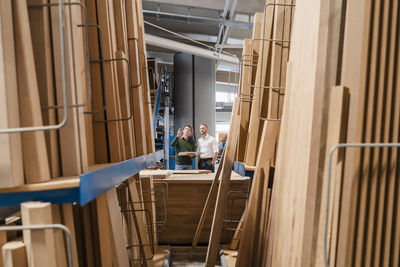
[(222, 195), (10, 144), (68, 221), (36, 164), (100, 138), (68, 135), (150, 205), (211, 195), (106, 17), (85, 132), (40, 244), (120, 253), (238, 232), (105, 237), (265, 235), (245, 104), (125, 100), (3, 240), (138, 109), (354, 73), (260, 95), (248, 249), (40, 25), (338, 111), (139, 219), (390, 227), (59, 241), (145, 80), (14, 254)]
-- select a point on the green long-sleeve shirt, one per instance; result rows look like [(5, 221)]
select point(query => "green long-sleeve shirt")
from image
[(181, 145)]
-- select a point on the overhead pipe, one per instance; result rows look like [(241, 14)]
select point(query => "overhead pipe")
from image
[(214, 21), (189, 49)]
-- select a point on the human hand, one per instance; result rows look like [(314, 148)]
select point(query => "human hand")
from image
[(192, 154), (179, 132)]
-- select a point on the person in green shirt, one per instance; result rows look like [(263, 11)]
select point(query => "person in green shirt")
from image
[(184, 143)]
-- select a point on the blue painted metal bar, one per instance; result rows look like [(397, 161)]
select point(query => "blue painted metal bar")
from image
[(98, 182), (92, 184), (240, 169), (157, 107)]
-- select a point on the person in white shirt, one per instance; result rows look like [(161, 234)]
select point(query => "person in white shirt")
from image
[(208, 148)]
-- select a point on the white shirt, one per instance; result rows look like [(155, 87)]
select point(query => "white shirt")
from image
[(208, 145)]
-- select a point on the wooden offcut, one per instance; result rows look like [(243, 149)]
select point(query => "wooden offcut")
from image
[(40, 244), (14, 254)]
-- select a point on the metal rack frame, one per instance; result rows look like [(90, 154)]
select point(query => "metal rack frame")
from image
[(332, 151), (46, 226)]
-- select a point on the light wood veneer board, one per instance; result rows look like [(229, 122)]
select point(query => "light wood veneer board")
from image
[(354, 73), (100, 138), (238, 232), (40, 25), (138, 109), (36, 162), (367, 199), (139, 220), (124, 94), (68, 220), (145, 79), (85, 124), (257, 32), (105, 15), (120, 253), (10, 144), (120, 26), (248, 248), (307, 96), (337, 120), (262, 75), (59, 241), (251, 222), (105, 237), (276, 61), (388, 253), (149, 204), (223, 188), (40, 244), (3, 240), (245, 105), (379, 164), (264, 237), (14, 254), (68, 135), (210, 196)]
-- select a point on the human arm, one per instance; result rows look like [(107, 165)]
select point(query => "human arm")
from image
[(215, 152), (178, 135)]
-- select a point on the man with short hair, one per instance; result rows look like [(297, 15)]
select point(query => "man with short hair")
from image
[(208, 148)]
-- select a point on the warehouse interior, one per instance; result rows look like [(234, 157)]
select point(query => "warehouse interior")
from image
[(183, 133)]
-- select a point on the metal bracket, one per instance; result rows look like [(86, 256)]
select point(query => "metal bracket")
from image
[(64, 82), (333, 149), (46, 226), (85, 26), (130, 91)]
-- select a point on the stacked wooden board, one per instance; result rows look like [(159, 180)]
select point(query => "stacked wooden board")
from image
[(109, 116), (341, 87)]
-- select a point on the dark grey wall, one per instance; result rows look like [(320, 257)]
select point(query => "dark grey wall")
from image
[(183, 90), (204, 94), (194, 92)]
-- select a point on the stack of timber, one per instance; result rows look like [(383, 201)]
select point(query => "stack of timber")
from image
[(342, 86), (109, 118)]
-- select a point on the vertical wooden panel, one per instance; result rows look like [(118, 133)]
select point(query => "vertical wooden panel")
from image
[(40, 25), (11, 169), (40, 244), (36, 163)]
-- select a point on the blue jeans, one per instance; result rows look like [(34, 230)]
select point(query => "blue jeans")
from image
[(183, 167)]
